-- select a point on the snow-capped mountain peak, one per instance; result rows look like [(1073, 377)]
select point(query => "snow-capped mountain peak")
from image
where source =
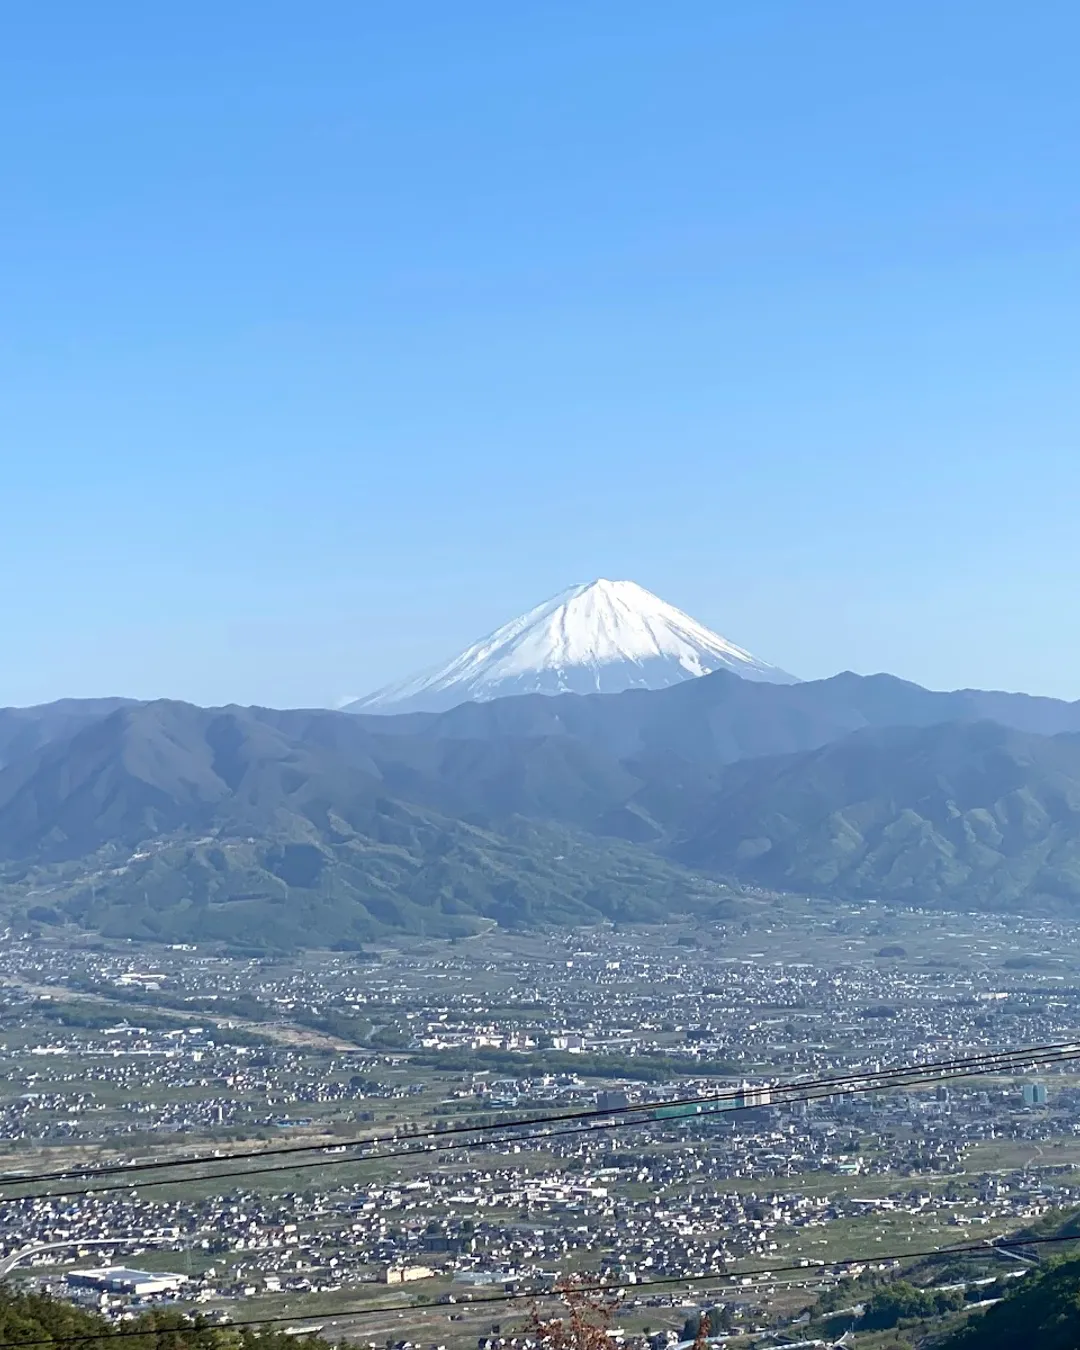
[(602, 637)]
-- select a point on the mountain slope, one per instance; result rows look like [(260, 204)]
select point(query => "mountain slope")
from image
[(149, 769), (711, 721), (180, 823), (309, 825), (719, 719), (603, 637), (968, 813), (1043, 1310), (23, 730)]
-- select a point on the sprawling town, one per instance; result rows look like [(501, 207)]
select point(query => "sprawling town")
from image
[(429, 1128)]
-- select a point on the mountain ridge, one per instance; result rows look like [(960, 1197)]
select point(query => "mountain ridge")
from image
[(904, 814), (311, 825), (174, 822)]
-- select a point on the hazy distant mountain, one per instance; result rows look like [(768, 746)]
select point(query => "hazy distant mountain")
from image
[(970, 813), (24, 729), (168, 821), (603, 637), (718, 719), (293, 827)]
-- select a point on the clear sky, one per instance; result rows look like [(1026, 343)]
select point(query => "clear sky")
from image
[(334, 335)]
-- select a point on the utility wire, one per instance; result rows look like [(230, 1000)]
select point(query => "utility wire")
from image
[(793, 1094), (918, 1076), (376, 1140), (1006, 1058), (520, 1295)]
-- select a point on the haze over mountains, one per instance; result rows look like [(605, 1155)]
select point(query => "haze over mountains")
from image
[(599, 638), (276, 828)]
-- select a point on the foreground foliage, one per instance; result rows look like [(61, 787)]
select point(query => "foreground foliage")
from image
[(36, 1318), (1044, 1311)]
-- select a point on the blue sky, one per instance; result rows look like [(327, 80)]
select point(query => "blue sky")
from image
[(333, 336)]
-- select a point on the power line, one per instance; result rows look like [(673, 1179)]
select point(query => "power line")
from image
[(375, 1141), (600, 1287), (917, 1076)]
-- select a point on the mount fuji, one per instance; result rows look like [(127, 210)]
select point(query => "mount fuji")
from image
[(599, 638)]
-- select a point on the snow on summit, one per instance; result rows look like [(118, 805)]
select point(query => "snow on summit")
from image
[(602, 637)]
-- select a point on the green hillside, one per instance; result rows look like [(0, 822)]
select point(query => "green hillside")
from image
[(40, 1320), (277, 828), (969, 814), (1044, 1311)]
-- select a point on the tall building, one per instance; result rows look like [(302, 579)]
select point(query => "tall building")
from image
[(751, 1094)]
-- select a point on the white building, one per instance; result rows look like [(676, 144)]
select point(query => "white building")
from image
[(121, 1280)]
